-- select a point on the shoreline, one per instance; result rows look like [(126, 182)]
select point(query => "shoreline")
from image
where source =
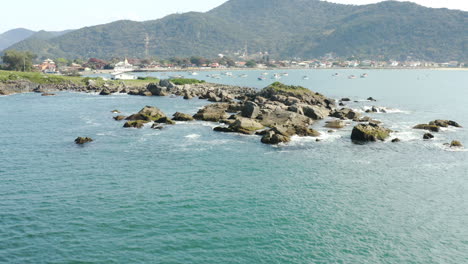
[(271, 69)]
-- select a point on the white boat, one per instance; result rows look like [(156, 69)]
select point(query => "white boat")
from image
[(227, 73), (276, 76), (305, 77), (284, 74), (193, 73), (364, 75), (352, 77), (243, 76), (261, 78), (265, 73)]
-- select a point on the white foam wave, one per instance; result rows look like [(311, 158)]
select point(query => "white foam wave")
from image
[(193, 136)]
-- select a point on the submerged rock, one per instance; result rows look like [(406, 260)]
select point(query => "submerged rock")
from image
[(370, 132), (456, 144), (396, 140), (428, 136), (83, 140), (119, 118), (135, 124)]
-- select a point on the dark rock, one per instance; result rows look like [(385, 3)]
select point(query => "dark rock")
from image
[(444, 123), (105, 91), (83, 140), (223, 129), (346, 113), (396, 140), (428, 136), (157, 126), (182, 117), (48, 94), (135, 124), (371, 99), (166, 83), (156, 90), (273, 138), (345, 100), (371, 132)]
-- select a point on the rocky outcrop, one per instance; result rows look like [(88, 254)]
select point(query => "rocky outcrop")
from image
[(83, 140), (371, 132), (148, 113), (182, 117), (241, 125), (435, 126), (346, 113), (135, 124), (213, 112), (428, 136)]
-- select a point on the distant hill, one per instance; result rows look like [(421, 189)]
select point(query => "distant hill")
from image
[(14, 36), (286, 29)]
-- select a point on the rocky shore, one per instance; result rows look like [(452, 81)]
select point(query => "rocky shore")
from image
[(275, 113)]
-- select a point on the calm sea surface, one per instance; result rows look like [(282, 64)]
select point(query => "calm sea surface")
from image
[(187, 194)]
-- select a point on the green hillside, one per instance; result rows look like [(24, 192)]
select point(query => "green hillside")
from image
[(293, 28)]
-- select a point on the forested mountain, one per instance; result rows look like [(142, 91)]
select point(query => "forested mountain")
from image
[(14, 36), (286, 29)]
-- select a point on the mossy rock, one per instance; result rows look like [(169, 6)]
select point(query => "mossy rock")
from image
[(433, 128), (119, 118), (456, 144), (370, 132), (182, 117), (83, 140)]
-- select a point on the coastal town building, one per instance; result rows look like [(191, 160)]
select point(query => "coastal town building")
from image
[(123, 76), (123, 66), (48, 66)]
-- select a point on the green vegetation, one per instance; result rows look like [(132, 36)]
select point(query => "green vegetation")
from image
[(278, 87), (286, 29), (251, 64), (18, 60), (40, 78), (185, 81)]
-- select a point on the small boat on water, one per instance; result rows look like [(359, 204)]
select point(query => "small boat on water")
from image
[(193, 73), (284, 74), (261, 78), (176, 77), (243, 76), (335, 74), (364, 75), (265, 73), (305, 77), (276, 76), (352, 77), (227, 73)]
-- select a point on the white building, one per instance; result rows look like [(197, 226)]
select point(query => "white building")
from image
[(123, 76), (123, 66)]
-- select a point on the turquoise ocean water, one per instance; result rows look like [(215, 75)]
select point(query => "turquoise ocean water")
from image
[(186, 194)]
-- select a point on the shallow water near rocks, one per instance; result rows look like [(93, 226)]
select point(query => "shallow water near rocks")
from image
[(186, 194)]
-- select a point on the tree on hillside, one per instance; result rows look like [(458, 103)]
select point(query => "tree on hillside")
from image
[(18, 60), (251, 64)]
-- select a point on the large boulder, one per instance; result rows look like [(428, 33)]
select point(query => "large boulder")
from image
[(157, 90), (166, 83), (148, 113), (275, 136), (250, 110), (370, 132), (182, 117), (119, 118), (246, 126), (105, 91), (444, 123), (315, 112), (283, 117), (346, 113), (433, 128), (213, 112)]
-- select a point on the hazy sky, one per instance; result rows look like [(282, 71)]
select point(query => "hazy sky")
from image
[(62, 14)]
